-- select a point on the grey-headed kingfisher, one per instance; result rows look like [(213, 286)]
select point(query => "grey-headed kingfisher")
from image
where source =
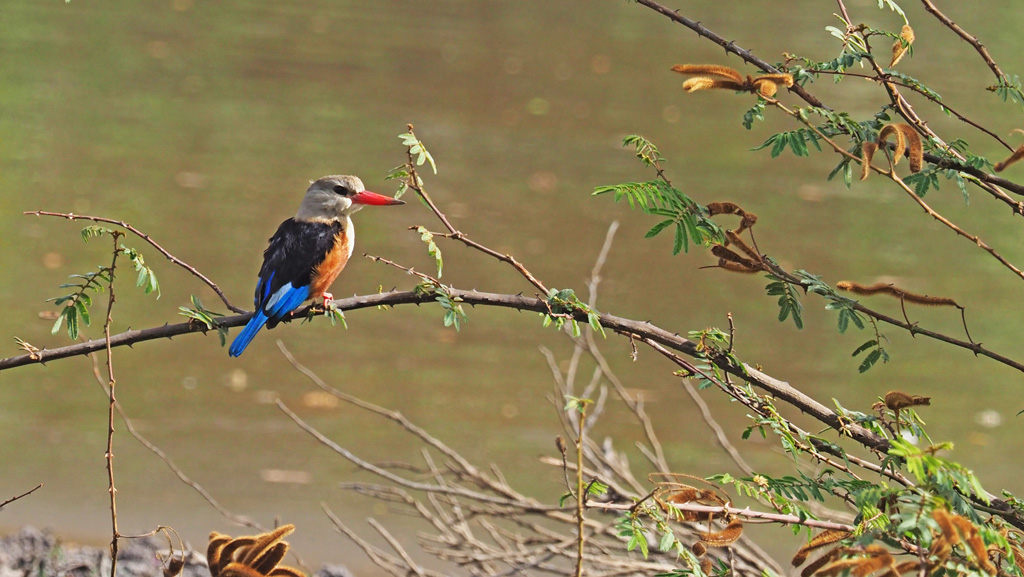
[(307, 252)]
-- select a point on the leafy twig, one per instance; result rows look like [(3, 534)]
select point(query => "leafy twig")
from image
[(152, 242), (414, 182)]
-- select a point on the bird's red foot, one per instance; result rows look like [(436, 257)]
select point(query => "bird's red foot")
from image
[(328, 298)]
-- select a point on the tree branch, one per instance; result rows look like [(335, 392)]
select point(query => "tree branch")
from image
[(628, 327)]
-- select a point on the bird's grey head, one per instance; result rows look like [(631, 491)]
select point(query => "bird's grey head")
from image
[(330, 198)]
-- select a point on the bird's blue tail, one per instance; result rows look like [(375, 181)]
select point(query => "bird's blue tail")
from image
[(245, 337)]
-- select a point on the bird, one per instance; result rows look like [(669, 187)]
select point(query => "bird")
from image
[(307, 252)]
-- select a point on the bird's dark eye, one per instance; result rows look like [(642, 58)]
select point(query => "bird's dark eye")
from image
[(340, 190)]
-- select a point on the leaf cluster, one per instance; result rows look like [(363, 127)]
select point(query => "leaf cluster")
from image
[(428, 237), (795, 140), (417, 150), (76, 304), (205, 316), (563, 305), (75, 311), (454, 314), (687, 219)]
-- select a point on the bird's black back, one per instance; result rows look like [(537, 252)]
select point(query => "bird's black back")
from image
[(294, 252)]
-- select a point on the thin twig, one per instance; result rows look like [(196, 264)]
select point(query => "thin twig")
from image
[(153, 243), (25, 494), (413, 566), (973, 41), (581, 497), (891, 174), (381, 559), (401, 481), (111, 386), (415, 183)]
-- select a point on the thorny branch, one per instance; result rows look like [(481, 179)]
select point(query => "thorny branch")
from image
[(111, 385), (973, 41)]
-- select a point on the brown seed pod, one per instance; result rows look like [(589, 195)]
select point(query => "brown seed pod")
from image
[(820, 540), (725, 537), (902, 44), (726, 254), (1016, 156), (706, 82), (707, 76), (890, 289), (897, 400), (867, 152), (709, 70), (256, 556)]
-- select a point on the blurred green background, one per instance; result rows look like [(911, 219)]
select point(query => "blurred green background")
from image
[(201, 123)]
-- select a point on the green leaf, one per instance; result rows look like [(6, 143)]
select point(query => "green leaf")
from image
[(94, 231), (57, 324), (428, 237), (680, 243), (864, 347), (597, 488), (72, 315), (83, 311), (780, 144), (870, 360), (659, 227), (668, 540)]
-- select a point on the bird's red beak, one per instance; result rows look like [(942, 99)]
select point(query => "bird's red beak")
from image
[(372, 198)]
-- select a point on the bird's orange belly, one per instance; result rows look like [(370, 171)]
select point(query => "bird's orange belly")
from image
[(327, 271)]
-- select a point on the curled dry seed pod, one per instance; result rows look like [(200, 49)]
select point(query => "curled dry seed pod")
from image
[(174, 567), (724, 207), (768, 84), (897, 400), (906, 138), (725, 537), (766, 88), (708, 76), (826, 537), (737, 240), (901, 140), (705, 83), (736, 267), (867, 152), (902, 44), (256, 556)]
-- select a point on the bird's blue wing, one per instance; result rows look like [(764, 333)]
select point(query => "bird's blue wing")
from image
[(294, 252)]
